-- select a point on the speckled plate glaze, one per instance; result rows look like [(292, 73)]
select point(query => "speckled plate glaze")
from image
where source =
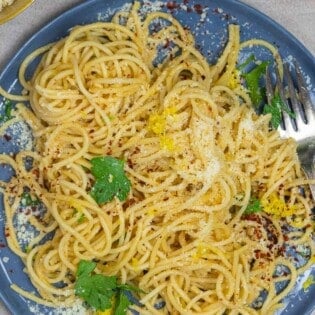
[(208, 19)]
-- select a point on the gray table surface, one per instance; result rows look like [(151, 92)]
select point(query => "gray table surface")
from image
[(297, 16)]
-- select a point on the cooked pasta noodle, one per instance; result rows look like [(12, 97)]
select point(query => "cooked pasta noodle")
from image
[(195, 152)]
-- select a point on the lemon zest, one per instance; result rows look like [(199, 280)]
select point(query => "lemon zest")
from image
[(157, 122), (234, 80), (308, 282), (167, 143), (151, 212), (106, 312), (278, 207), (135, 263), (297, 222)]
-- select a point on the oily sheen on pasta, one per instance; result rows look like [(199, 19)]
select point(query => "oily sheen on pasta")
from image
[(195, 152)]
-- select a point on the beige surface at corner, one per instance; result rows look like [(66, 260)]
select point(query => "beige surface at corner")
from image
[(297, 16)]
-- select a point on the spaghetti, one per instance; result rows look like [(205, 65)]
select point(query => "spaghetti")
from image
[(196, 154)]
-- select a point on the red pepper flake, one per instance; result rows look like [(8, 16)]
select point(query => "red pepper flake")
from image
[(198, 8), (281, 251), (35, 171), (6, 232), (130, 163), (2, 245), (7, 137), (252, 217), (172, 5), (167, 43), (226, 16), (33, 209), (129, 202), (257, 253)]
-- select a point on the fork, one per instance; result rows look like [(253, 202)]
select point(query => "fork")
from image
[(302, 126)]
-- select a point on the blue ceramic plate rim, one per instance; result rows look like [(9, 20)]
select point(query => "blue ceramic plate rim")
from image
[(74, 16)]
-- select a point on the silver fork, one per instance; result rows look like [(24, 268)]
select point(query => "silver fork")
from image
[(302, 126)]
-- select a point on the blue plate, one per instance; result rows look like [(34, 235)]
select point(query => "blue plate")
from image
[(211, 32)]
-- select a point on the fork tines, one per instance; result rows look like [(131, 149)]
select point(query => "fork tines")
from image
[(295, 96)]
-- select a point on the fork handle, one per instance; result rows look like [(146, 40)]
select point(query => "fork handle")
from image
[(306, 154), (309, 171)]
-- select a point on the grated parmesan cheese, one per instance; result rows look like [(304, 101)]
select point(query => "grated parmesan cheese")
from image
[(21, 135), (76, 309), (247, 124), (5, 259)]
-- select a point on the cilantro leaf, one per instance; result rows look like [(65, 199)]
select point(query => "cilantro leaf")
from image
[(122, 303), (253, 206), (8, 106), (111, 180), (252, 78), (275, 108), (95, 289)]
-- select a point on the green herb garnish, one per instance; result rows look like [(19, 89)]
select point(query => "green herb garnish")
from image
[(81, 218), (101, 291), (8, 106), (27, 249), (122, 304), (110, 179), (253, 206), (275, 108), (252, 78), (243, 65), (28, 200)]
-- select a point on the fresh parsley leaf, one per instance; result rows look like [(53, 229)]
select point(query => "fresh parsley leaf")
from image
[(122, 303), (8, 106), (27, 200), (95, 289), (100, 291), (275, 108), (85, 268), (111, 180), (243, 65), (253, 206), (252, 78)]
